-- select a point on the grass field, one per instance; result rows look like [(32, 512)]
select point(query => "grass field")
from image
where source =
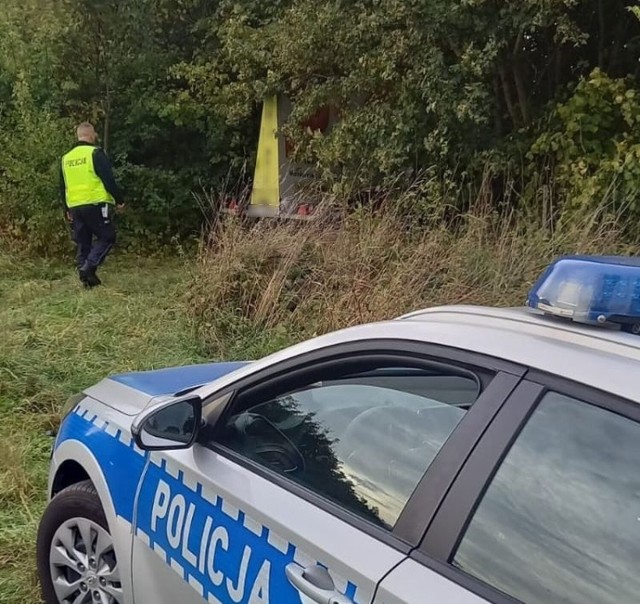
[(55, 339), (250, 291)]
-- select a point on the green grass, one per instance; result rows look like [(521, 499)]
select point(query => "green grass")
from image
[(252, 291), (55, 339)]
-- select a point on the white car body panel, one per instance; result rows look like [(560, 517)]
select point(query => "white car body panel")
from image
[(206, 492), (285, 529), (413, 583), (593, 356)]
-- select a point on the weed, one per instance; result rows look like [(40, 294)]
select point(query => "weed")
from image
[(276, 283), (57, 339)]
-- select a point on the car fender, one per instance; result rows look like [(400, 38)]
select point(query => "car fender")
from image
[(120, 529)]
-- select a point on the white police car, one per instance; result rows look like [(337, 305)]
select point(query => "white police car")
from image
[(456, 455)]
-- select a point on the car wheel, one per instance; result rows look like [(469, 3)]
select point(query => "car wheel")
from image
[(75, 554)]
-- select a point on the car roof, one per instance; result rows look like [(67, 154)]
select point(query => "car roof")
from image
[(601, 358)]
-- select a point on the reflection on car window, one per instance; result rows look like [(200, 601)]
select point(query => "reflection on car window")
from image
[(175, 422), (561, 520), (364, 441)]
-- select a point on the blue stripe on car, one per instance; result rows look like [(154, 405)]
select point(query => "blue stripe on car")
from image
[(121, 462), (218, 550), (175, 379)]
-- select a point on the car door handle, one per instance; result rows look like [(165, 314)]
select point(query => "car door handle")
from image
[(316, 583)]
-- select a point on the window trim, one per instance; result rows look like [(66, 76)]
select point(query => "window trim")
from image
[(303, 376), (437, 548), (487, 369), (447, 465), (473, 361), (450, 522), (586, 394)]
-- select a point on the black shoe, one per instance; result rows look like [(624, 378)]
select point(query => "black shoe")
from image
[(88, 277), (83, 274), (94, 280)]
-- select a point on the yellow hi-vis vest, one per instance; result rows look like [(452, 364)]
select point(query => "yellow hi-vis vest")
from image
[(82, 184)]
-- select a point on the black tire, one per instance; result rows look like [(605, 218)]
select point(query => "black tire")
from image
[(77, 501)]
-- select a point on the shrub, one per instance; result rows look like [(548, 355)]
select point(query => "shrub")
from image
[(269, 284), (594, 146), (30, 209)]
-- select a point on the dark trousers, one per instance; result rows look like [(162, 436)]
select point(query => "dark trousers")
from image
[(89, 222)]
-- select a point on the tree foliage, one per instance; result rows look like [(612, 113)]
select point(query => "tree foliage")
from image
[(421, 83), (525, 90)]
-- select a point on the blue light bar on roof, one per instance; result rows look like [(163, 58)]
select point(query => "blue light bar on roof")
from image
[(598, 290)]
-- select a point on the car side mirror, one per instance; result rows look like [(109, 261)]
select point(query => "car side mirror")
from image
[(171, 427)]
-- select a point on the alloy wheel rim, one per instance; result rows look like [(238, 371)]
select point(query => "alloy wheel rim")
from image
[(83, 565)]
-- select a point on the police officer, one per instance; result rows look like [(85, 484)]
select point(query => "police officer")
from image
[(90, 194)]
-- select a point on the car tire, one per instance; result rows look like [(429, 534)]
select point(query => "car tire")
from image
[(74, 548)]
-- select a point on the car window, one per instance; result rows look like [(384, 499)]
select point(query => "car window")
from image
[(561, 520), (363, 441)]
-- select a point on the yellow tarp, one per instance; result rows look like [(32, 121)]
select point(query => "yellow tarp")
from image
[(266, 181)]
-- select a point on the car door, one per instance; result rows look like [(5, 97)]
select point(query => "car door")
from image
[(301, 490), (546, 509)]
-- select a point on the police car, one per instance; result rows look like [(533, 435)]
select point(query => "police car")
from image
[(457, 455)]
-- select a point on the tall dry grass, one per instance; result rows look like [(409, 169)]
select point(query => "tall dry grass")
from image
[(259, 287)]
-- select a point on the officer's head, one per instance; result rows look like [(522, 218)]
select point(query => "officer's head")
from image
[(86, 133)]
